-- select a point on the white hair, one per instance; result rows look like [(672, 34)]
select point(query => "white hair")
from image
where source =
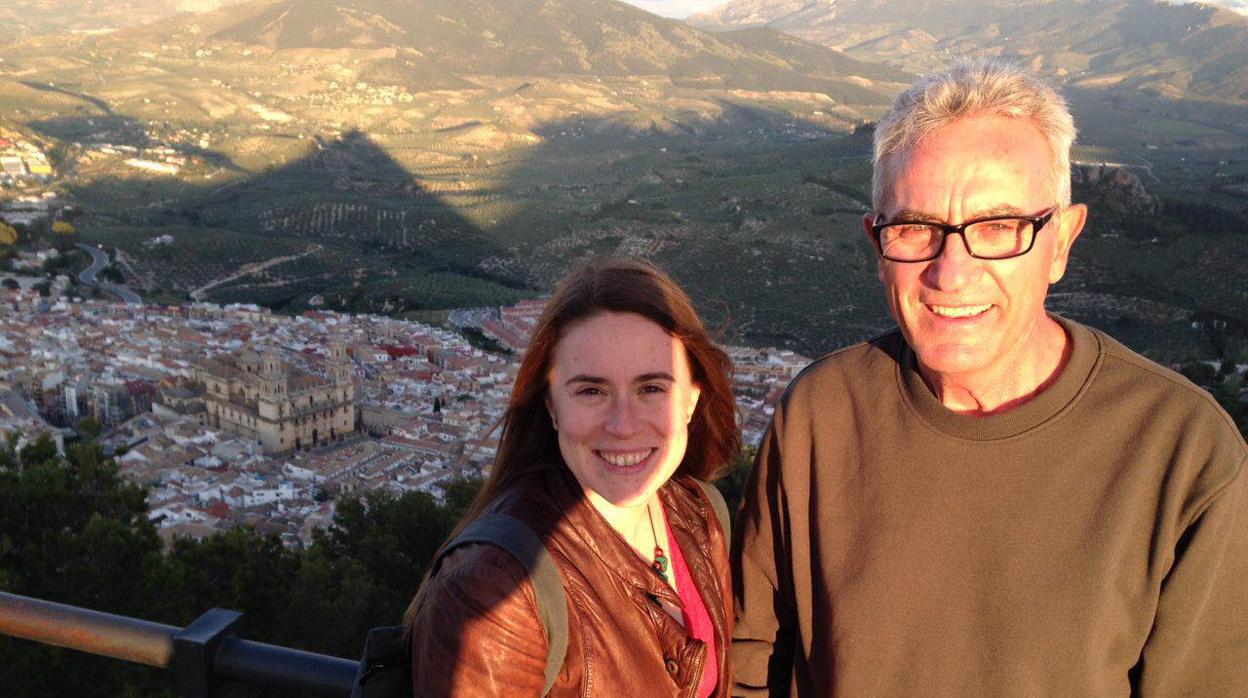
[(971, 87)]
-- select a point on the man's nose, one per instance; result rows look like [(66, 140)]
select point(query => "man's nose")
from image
[(955, 267), (622, 418)]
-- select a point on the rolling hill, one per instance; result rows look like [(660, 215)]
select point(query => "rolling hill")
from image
[(22, 18), (1188, 50)]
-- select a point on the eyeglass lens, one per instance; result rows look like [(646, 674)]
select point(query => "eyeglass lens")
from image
[(992, 239)]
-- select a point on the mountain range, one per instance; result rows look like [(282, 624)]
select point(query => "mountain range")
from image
[(537, 37), (1187, 50)]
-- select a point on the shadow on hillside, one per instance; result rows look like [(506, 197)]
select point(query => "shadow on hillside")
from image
[(755, 210), (110, 129), (746, 208), (359, 230), (47, 87), (119, 130)]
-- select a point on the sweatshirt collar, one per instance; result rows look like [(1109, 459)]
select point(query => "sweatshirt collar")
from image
[(1047, 405)]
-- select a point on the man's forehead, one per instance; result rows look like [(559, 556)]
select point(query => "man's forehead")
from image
[(990, 163)]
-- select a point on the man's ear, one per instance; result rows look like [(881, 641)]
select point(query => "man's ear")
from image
[(1070, 221), (868, 219)]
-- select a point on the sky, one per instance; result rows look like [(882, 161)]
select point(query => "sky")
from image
[(675, 8)]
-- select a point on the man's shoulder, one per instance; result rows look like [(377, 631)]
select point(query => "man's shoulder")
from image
[(1169, 395), (1143, 374), (865, 361)]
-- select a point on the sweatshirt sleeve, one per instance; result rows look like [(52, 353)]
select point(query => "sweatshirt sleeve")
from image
[(1199, 642), (477, 633), (764, 631)]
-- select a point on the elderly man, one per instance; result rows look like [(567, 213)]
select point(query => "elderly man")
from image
[(990, 500)]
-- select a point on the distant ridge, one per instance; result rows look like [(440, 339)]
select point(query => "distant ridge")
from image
[(1171, 50), (540, 37), (22, 18)]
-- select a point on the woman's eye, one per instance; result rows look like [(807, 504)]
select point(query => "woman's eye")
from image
[(589, 391), (653, 389)]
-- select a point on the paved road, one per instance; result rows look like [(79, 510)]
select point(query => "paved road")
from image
[(471, 317), (99, 260)]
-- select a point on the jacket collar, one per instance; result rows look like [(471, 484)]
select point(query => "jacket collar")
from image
[(554, 504)]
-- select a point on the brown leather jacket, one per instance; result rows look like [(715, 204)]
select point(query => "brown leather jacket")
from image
[(477, 632)]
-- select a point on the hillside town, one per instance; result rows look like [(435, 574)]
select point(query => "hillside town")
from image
[(21, 160), (235, 416)]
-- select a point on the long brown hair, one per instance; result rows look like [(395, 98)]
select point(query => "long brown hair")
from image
[(618, 285)]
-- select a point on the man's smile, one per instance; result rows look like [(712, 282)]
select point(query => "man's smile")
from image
[(958, 311)]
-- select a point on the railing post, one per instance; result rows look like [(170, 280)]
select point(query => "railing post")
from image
[(194, 656), (207, 658)]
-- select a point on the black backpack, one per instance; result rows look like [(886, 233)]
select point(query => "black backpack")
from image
[(386, 667)]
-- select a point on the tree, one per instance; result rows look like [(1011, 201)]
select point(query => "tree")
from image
[(89, 428), (113, 274), (8, 453), (394, 538), (732, 484), (8, 234), (73, 531), (1199, 372), (41, 450), (64, 228)]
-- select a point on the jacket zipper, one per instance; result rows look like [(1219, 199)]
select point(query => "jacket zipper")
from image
[(699, 663)]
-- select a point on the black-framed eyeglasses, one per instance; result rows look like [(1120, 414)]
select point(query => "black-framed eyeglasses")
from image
[(995, 237)]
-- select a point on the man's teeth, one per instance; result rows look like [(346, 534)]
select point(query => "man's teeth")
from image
[(625, 459), (959, 311)]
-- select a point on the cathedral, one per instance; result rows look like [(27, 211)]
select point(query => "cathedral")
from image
[(282, 407)]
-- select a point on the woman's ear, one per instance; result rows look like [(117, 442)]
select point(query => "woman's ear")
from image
[(695, 392), (550, 409)]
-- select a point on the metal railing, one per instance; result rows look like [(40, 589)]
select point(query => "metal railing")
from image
[(207, 658)]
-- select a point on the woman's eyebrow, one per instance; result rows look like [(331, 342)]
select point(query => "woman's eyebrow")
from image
[(643, 378)]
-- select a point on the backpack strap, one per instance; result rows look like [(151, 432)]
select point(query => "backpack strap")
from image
[(512, 535), (720, 506), (386, 668)]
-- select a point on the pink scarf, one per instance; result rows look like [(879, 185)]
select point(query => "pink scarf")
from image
[(697, 619)]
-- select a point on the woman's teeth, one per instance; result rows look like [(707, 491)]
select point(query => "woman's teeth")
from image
[(624, 460)]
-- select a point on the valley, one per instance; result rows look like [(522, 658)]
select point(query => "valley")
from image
[(299, 168)]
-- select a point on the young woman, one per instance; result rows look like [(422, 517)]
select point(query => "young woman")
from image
[(620, 402)]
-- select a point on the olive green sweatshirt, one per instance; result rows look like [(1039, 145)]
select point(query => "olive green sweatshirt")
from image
[(1091, 542)]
